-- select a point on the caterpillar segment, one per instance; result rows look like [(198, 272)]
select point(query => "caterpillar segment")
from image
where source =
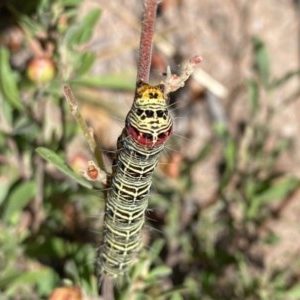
[(147, 127)]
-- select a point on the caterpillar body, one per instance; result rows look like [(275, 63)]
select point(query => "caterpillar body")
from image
[(147, 127)]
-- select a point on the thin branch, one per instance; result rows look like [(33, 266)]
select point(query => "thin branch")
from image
[(107, 288), (173, 82), (145, 53), (84, 127)]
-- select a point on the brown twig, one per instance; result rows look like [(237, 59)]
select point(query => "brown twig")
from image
[(173, 82), (84, 127), (107, 289), (147, 33)]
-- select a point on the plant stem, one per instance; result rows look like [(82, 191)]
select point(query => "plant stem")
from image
[(147, 33), (84, 127)]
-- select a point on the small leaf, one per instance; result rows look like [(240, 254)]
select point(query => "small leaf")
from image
[(32, 26), (43, 278), (176, 296), (293, 293), (253, 94), (8, 84), (89, 22), (274, 193), (18, 199), (106, 82), (278, 191), (70, 2), (271, 239), (9, 277), (54, 247), (53, 158), (230, 154), (156, 248), (86, 61), (58, 247), (6, 115), (262, 63), (4, 188), (82, 32), (160, 271)]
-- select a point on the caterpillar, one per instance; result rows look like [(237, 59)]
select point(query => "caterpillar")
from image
[(147, 127)]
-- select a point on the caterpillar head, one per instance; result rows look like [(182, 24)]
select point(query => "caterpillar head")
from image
[(149, 122)]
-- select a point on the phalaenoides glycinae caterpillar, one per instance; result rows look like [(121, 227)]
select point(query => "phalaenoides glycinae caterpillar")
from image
[(147, 127)]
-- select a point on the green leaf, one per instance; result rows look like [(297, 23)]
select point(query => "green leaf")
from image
[(89, 22), (86, 60), (6, 115), (72, 270), (176, 296), (160, 271), (32, 26), (230, 154), (43, 278), (4, 188), (59, 247), (70, 2), (53, 158), (293, 293), (106, 82), (82, 32), (253, 94), (18, 199), (175, 293), (53, 247), (262, 63), (220, 130), (156, 248), (8, 84), (9, 277), (279, 191), (271, 239), (274, 193)]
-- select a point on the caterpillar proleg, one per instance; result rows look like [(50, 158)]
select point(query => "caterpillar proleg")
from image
[(147, 127)]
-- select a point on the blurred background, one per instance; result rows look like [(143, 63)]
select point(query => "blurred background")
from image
[(223, 219)]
